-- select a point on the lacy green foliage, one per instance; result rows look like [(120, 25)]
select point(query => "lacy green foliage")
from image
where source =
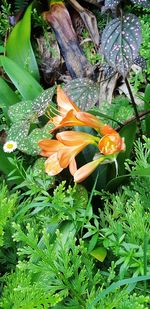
[(7, 208), (89, 49), (141, 165), (4, 14), (120, 110), (60, 272), (23, 292), (126, 216), (145, 47), (62, 267), (8, 205)]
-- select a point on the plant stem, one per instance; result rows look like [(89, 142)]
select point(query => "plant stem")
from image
[(141, 115), (134, 107)]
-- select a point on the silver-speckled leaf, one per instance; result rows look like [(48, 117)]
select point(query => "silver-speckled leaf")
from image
[(121, 40), (35, 136), (145, 3), (111, 4), (83, 92), (141, 62), (21, 110), (41, 103), (18, 133)]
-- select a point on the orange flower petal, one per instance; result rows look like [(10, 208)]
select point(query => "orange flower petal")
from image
[(52, 166), (67, 154), (106, 129), (64, 103), (83, 172), (111, 144), (50, 145), (89, 120), (72, 167), (72, 138)]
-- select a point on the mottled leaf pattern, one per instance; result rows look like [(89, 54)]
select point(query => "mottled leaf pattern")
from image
[(141, 62), (83, 92), (18, 133), (111, 4), (34, 137), (121, 41), (40, 104), (21, 110), (145, 3)]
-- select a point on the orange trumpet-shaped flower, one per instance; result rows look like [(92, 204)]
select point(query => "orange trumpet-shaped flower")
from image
[(64, 106), (72, 138), (111, 144), (83, 172)]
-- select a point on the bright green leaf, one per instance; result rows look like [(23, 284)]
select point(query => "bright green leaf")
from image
[(28, 87), (19, 47), (99, 253)]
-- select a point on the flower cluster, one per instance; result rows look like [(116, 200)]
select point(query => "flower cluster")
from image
[(62, 151)]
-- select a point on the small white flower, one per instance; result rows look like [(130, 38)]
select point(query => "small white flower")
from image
[(10, 146)]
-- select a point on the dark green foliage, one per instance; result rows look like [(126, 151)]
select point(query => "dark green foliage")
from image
[(83, 92), (121, 41), (20, 5)]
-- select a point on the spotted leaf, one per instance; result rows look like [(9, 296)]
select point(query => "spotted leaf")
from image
[(83, 92), (111, 4), (34, 137), (18, 133), (121, 40), (21, 110), (145, 3), (41, 103)]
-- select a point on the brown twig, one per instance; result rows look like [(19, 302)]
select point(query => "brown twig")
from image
[(140, 115)]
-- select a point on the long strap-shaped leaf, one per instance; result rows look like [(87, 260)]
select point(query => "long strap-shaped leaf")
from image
[(28, 87), (8, 97), (19, 47), (118, 284)]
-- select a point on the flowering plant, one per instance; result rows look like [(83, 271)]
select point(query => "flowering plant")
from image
[(61, 152)]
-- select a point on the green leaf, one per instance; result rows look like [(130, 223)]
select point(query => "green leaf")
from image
[(21, 110), (83, 91), (115, 183), (28, 87), (129, 133), (19, 47), (141, 171), (5, 165), (121, 40), (111, 4), (41, 103), (99, 253), (147, 106), (31, 142), (116, 285), (7, 96), (144, 3), (18, 133)]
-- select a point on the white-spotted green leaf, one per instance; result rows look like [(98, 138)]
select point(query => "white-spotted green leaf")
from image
[(31, 143), (144, 3), (121, 40), (83, 92), (21, 110), (41, 103), (19, 47), (18, 133), (111, 4)]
